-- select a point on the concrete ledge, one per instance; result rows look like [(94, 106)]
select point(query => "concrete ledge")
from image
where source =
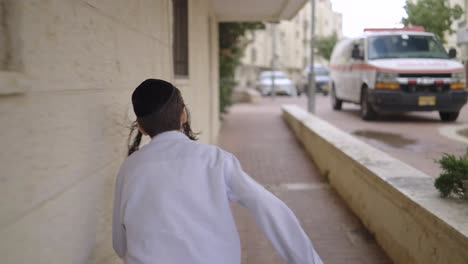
[(396, 202), (246, 95)]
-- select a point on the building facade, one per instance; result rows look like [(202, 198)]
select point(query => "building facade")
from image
[(452, 39), (67, 71), (293, 40), (462, 34)]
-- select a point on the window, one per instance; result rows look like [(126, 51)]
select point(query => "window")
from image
[(180, 45), (254, 55), (405, 46)]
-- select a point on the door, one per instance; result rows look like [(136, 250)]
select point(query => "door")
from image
[(347, 72), (340, 68)]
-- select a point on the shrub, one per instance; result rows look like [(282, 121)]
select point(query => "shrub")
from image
[(453, 181), (226, 88), (232, 44)]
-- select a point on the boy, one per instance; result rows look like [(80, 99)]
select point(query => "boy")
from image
[(172, 197)]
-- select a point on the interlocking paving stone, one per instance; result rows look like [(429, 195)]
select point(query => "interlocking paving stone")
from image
[(269, 153)]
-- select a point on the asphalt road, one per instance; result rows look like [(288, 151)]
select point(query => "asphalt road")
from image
[(413, 137)]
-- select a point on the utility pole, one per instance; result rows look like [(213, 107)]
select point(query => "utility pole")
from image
[(273, 60), (311, 93)]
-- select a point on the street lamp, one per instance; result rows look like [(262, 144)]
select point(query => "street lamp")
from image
[(311, 94)]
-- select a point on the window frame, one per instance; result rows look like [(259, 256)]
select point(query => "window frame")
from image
[(181, 39)]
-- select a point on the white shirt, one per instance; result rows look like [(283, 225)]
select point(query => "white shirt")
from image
[(172, 205)]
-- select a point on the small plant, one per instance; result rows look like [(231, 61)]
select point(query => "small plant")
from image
[(453, 181)]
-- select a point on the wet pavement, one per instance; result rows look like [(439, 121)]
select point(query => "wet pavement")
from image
[(392, 139), (269, 152), (413, 138)]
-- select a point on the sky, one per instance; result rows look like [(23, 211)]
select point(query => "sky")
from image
[(360, 14)]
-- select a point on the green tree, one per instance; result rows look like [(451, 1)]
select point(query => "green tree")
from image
[(435, 16), (231, 50), (325, 46)]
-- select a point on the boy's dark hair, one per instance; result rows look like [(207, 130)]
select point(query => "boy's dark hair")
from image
[(158, 106)]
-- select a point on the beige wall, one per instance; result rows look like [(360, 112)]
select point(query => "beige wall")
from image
[(64, 139), (200, 89)]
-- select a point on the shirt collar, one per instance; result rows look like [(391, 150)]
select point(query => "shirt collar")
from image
[(169, 135)]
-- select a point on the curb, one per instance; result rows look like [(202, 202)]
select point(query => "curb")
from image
[(451, 132)]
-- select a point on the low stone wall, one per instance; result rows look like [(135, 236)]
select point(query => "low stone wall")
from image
[(246, 95), (397, 203)]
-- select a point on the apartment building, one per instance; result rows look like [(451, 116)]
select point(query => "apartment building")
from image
[(452, 39), (293, 40), (462, 34), (67, 70)]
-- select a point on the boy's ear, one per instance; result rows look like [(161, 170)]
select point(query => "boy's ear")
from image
[(183, 117), (141, 129)]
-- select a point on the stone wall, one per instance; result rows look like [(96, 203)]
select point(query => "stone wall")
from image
[(64, 138), (397, 203)]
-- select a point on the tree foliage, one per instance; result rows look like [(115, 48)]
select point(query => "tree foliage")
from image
[(231, 49), (435, 16), (325, 46)]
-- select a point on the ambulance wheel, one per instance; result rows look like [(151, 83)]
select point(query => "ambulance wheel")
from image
[(336, 103), (367, 111), (449, 116)]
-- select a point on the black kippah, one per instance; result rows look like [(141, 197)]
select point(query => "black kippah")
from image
[(151, 96)]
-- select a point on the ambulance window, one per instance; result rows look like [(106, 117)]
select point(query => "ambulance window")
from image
[(405, 46), (361, 47), (434, 46)]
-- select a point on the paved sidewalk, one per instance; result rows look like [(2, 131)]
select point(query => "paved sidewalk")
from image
[(260, 139)]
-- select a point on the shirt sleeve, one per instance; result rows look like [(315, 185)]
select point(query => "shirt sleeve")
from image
[(276, 220), (119, 240)]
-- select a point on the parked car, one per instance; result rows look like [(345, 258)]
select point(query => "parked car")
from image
[(282, 84), (322, 79), (397, 70)]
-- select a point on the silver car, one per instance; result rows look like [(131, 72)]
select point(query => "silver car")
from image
[(322, 79), (282, 84)]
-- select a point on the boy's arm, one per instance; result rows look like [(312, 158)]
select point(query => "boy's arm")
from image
[(119, 240), (276, 220)]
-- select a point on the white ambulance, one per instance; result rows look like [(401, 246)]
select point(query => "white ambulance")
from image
[(397, 70)]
